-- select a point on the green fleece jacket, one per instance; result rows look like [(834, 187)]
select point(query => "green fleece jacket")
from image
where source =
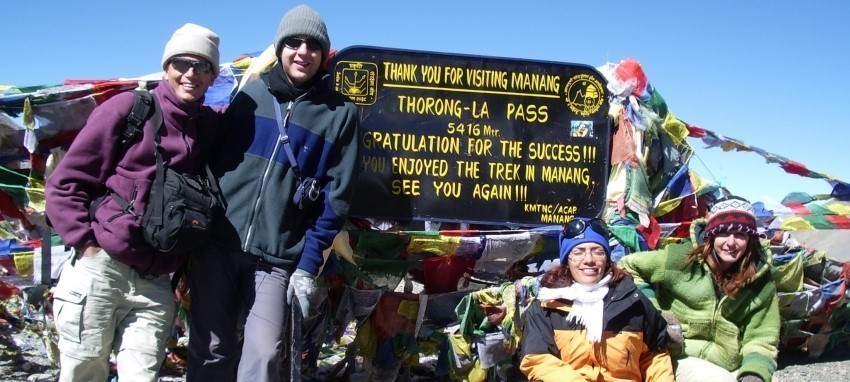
[(737, 334)]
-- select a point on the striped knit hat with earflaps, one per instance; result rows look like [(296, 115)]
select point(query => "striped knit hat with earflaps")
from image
[(732, 214)]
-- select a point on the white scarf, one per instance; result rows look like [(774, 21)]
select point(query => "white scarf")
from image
[(587, 304)]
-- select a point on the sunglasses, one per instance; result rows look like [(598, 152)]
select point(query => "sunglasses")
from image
[(294, 43), (577, 226), (182, 65)]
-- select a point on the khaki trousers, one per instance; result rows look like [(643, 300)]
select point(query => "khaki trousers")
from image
[(103, 306)]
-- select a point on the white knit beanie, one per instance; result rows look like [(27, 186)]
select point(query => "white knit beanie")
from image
[(193, 39), (303, 21)]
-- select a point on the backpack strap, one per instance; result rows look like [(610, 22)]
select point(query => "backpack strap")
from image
[(143, 105), (159, 180)]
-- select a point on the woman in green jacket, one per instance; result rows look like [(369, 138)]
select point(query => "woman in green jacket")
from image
[(721, 293)]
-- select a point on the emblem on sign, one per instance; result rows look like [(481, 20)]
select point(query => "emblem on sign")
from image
[(357, 81), (584, 94)]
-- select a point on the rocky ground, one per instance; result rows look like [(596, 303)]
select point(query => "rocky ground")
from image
[(21, 362), (832, 366), (24, 357)]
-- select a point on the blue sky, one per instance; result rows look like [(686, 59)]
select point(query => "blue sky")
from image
[(769, 73)]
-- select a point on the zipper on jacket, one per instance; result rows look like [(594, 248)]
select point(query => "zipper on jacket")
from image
[(265, 176), (712, 332), (186, 140)]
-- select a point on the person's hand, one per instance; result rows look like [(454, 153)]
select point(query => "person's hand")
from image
[(751, 378), (674, 329), (302, 286)]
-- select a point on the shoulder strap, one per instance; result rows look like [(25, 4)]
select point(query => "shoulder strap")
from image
[(139, 114), (143, 105), (284, 138), (159, 180)]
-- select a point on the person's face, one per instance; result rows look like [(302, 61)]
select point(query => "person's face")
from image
[(730, 247), (301, 58), (588, 263), (190, 76)]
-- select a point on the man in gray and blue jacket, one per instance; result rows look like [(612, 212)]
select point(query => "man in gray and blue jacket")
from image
[(266, 250)]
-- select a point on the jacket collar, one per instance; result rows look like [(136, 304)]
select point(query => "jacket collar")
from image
[(282, 88), (187, 109)]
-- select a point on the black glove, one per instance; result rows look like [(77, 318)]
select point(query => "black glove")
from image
[(674, 329), (751, 378)]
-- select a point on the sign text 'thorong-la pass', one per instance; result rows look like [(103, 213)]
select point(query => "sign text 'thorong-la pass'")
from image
[(449, 137)]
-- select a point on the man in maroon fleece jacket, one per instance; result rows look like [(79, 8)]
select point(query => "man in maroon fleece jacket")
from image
[(116, 294)]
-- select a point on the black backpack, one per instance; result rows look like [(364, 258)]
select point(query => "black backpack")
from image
[(180, 207)]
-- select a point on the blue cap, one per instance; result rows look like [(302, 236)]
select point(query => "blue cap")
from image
[(588, 236)]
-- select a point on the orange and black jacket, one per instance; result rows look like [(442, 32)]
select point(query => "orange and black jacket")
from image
[(633, 345)]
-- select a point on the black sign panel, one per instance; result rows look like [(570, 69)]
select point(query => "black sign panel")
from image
[(448, 137)]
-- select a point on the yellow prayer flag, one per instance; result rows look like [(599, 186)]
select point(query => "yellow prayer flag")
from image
[(676, 129), (666, 207), (796, 224)]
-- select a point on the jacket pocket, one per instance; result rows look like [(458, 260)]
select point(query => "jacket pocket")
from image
[(124, 201), (69, 314), (727, 337)]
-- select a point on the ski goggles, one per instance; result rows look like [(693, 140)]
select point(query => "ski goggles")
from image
[(577, 226)]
